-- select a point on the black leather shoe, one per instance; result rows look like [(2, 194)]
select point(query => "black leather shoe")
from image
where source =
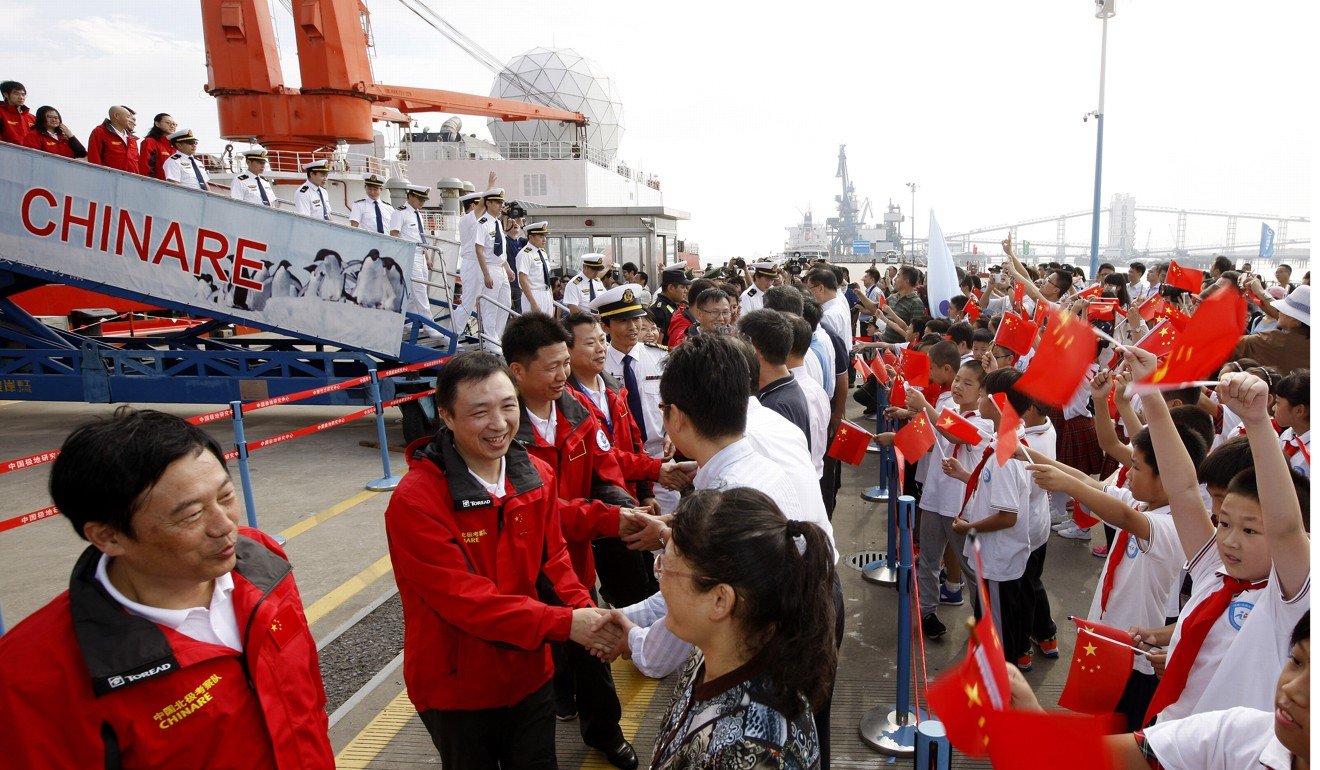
[(622, 756)]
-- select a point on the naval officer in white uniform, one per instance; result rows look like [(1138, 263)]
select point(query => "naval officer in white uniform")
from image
[(534, 271), (311, 199), (182, 167), (496, 273), (371, 213), (407, 224), (249, 186), (763, 276), (585, 287)]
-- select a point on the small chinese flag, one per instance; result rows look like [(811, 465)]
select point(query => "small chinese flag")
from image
[(880, 300), (1185, 278), (1042, 312), (1100, 629), (972, 309), (879, 370), (850, 442), (967, 696), (1099, 672), (958, 426), (1152, 308), (1205, 344), (915, 439), (1090, 291), (1161, 340), (916, 367), (898, 393), (889, 357), (862, 369), (1021, 739), (1061, 361), (1102, 309), (1112, 405), (1016, 333), (1006, 438), (1019, 291), (1178, 318), (862, 338)]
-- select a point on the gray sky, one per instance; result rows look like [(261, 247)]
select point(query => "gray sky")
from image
[(741, 107)]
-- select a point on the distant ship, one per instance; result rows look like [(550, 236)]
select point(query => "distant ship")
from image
[(807, 240)]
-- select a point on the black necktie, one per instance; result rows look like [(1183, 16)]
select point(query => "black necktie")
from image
[(634, 395), (591, 287), (197, 172), (265, 201), (325, 214), (380, 223), (545, 269), (421, 233), (499, 239)]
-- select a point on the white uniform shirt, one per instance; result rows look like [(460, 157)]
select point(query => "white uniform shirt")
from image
[(1004, 552), (492, 231), (1043, 439), (248, 187), (581, 290), (1233, 739), (818, 416), (312, 201), (823, 350), (1148, 571), (183, 170), (751, 299), (533, 264), (1138, 292), (214, 624), (364, 212), (940, 493), (408, 222), (1301, 459), (1076, 406), (468, 231), (835, 315), (1247, 640), (648, 365)]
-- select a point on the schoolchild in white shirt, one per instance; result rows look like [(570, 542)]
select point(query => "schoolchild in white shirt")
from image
[(1250, 569), (995, 504), (1292, 412)]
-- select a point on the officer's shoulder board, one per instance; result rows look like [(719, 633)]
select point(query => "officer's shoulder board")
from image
[(529, 249), (751, 292), (242, 177), (401, 208), (482, 220), (359, 200), (303, 188), (577, 279), (177, 155), (656, 347)]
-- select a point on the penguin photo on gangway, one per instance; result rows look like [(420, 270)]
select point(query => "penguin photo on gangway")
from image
[(327, 276), (371, 286), (206, 289), (283, 282), (397, 287)]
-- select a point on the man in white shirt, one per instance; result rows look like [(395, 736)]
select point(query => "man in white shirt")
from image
[(370, 212), (182, 167), (818, 403), (534, 271), (763, 277), (249, 186), (406, 223), (311, 200), (824, 287), (1138, 289), (583, 288)]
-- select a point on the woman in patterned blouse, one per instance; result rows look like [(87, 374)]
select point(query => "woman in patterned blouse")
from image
[(751, 590)]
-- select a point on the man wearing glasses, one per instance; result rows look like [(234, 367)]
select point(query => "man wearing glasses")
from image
[(714, 313), (182, 167)]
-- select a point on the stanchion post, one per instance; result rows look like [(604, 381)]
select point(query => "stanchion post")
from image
[(933, 749), (2, 621), (883, 571), (893, 730), (244, 473), (388, 481)]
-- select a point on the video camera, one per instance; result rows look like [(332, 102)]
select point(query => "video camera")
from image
[(514, 209)]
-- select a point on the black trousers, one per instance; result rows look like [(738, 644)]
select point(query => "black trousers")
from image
[(830, 481), (626, 577), (822, 716), (1136, 698), (1041, 624), (586, 678), (517, 737)]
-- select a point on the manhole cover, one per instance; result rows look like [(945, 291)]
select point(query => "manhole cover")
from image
[(861, 559)]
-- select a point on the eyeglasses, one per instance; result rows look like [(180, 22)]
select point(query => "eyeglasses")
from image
[(721, 313), (659, 566)]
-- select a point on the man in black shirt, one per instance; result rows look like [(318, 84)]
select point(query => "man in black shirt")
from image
[(673, 293), (771, 334)]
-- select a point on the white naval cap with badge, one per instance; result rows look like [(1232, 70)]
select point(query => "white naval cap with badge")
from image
[(594, 261), (371, 180), (537, 228), (317, 165), (494, 193), (469, 197), (620, 303), (256, 152), (421, 191), (765, 268), (182, 135)]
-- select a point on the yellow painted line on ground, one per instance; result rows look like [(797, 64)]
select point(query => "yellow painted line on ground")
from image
[(378, 733), (327, 514), (347, 590), (635, 695)]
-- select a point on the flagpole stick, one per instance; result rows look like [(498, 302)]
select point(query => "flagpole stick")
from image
[(1152, 387), (1080, 628)]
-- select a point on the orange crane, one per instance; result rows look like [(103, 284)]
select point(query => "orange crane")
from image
[(339, 97)]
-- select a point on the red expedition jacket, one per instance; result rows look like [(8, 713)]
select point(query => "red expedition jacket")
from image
[(679, 324), (467, 567), (55, 145), (87, 685), (153, 152), (105, 148), (15, 123), (592, 485), (638, 467)]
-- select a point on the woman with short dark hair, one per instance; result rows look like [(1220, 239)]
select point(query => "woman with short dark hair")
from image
[(156, 146), (751, 590), (49, 134)]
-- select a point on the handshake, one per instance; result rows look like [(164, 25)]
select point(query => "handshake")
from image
[(603, 632)]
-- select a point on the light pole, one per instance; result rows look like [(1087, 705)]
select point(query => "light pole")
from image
[(912, 248), (1104, 11)]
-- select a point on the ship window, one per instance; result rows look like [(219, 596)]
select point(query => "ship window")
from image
[(630, 250), (534, 184), (603, 244), (575, 248)]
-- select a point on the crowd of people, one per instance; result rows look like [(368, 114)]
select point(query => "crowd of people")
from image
[(648, 475)]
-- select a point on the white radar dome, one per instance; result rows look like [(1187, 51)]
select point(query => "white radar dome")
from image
[(560, 77)]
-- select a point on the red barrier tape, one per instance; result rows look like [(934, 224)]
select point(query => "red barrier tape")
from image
[(28, 518), (407, 398), (309, 430), (19, 463), (412, 367)]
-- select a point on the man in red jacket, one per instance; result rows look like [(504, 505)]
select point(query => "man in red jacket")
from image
[(560, 429), (112, 143), (473, 528), (181, 639), (15, 118)]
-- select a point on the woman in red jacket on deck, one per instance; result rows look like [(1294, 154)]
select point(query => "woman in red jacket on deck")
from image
[(156, 146), (49, 134)]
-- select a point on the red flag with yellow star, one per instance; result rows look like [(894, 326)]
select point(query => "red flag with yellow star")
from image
[(1161, 340), (1100, 669), (1006, 437), (849, 444), (1061, 362), (1185, 277), (1016, 333), (915, 366), (915, 439), (959, 427), (861, 367), (879, 370), (972, 309), (966, 697), (1205, 344), (1021, 739)]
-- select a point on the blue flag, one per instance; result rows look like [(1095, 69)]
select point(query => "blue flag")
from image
[(1266, 240)]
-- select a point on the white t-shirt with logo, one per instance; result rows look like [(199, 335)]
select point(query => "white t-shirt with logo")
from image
[(1004, 552), (1245, 648), (1232, 739), (939, 493)]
